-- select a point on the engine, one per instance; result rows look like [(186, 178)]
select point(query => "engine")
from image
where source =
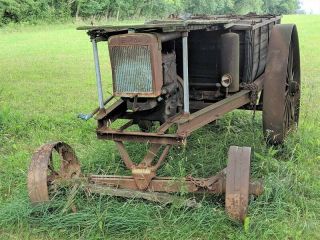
[(145, 76)]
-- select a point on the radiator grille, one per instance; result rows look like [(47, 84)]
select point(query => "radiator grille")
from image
[(132, 72)]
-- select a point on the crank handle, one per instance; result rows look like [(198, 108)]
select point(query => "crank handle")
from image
[(86, 117)]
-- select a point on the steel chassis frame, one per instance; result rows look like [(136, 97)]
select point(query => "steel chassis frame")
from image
[(144, 174)]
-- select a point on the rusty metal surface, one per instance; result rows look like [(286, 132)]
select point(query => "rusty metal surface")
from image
[(145, 171), (113, 112), (136, 65), (212, 112), (186, 123), (124, 155), (110, 134), (170, 122), (234, 180), (281, 99), (144, 176), (162, 158), (163, 198), (214, 185), (157, 184), (151, 153), (41, 174), (238, 182)]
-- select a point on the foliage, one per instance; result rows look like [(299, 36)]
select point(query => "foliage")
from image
[(33, 11), (208, 6), (280, 6), (245, 6)]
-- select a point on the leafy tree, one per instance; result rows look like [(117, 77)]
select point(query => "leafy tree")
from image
[(208, 6), (60, 10), (246, 6), (281, 6)]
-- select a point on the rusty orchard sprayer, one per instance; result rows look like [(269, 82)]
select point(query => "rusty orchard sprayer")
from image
[(172, 77)]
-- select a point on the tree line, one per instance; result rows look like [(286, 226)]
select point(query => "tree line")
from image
[(33, 11)]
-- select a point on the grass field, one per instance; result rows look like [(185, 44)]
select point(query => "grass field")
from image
[(47, 78)]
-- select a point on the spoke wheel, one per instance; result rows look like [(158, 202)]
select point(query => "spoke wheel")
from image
[(43, 172), (282, 87)]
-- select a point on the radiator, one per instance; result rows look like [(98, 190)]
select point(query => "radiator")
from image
[(136, 65), (132, 69)]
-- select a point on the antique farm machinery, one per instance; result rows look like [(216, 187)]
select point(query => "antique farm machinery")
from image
[(184, 74)]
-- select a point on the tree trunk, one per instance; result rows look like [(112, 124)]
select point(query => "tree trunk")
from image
[(78, 11), (118, 13)]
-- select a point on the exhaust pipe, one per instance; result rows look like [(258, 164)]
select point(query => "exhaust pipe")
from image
[(230, 61)]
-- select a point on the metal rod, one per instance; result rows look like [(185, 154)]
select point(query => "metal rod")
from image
[(124, 155), (86, 117), (185, 73), (162, 157), (168, 184), (98, 73), (114, 135)]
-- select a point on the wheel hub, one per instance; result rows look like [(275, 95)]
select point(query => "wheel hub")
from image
[(293, 87)]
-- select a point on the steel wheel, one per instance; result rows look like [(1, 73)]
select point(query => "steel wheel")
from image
[(281, 98), (42, 173), (238, 182)]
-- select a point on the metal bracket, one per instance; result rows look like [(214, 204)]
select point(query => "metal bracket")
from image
[(144, 172)]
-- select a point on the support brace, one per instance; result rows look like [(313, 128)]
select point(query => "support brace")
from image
[(185, 73), (144, 172), (98, 73)]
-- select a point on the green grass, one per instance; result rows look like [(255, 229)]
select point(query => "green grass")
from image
[(47, 78)]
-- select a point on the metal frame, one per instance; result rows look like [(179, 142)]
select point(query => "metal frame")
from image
[(234, 181), (144, 173), (186, 124), (212, 185)]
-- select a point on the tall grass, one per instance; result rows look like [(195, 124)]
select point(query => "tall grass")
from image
[(47, 78)]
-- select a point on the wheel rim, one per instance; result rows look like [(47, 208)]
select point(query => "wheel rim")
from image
[(281, 98), (42, 173), (292, 93)]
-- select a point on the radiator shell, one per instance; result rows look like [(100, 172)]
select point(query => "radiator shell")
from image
[(136, 63)]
